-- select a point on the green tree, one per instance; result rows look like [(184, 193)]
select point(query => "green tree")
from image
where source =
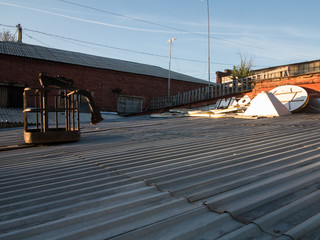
[(244, 69), (7, 36)]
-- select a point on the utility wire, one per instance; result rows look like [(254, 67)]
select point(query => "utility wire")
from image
[(178, 29), (145, 21), (37, 40), (117, 48), (72, 40), (132, 18), (9, 26)]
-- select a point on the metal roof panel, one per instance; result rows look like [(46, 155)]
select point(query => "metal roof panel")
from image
[(181, 178)]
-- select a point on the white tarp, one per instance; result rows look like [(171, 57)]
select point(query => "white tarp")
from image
[(266, 104)]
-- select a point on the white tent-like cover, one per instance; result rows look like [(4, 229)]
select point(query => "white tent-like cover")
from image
[(266, 104)]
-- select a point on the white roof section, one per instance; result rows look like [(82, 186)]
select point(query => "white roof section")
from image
[(266, 104)]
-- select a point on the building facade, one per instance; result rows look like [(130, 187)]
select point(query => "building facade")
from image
[(116, 85), (275, 72)]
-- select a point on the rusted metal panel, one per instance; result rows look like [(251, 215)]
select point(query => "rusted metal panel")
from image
[(55, 136)]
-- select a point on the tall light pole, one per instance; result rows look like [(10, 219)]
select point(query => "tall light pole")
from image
[(170, 40), (208, 42)]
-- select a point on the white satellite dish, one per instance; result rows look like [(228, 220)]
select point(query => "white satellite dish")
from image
[(293, 97)]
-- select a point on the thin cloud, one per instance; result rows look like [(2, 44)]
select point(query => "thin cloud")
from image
[(84, 20), (266, 30)]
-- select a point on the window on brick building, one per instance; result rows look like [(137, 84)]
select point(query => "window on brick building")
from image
[(317, 66), (11, 96)]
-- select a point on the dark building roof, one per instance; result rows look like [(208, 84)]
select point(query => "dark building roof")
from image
[(62, 56)]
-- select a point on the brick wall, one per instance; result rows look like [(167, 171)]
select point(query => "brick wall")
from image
[(310, 82), (102, 83)]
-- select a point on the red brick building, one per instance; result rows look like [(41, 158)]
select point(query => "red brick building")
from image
[(116, 85)]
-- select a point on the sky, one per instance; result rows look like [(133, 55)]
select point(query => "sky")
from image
[(270, 32)]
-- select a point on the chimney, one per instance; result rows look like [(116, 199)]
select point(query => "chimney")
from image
[(19, 33), (219, 75)]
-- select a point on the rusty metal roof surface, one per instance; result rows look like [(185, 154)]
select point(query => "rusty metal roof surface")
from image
[(62, 56), (181, 178)]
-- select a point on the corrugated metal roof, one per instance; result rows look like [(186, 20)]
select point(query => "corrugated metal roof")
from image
[(182, 178), (62, 56)]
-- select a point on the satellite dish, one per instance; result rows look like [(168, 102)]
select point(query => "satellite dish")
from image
[(293, 97)]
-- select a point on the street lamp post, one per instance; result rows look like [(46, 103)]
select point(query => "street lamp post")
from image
[(170, 40), (208, 42)]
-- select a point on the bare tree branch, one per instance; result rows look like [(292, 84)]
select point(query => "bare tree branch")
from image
[(7, 36)]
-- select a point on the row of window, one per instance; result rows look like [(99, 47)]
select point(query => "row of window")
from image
[(305, 68)]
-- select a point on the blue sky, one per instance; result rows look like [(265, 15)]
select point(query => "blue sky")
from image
[(271, 32)]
